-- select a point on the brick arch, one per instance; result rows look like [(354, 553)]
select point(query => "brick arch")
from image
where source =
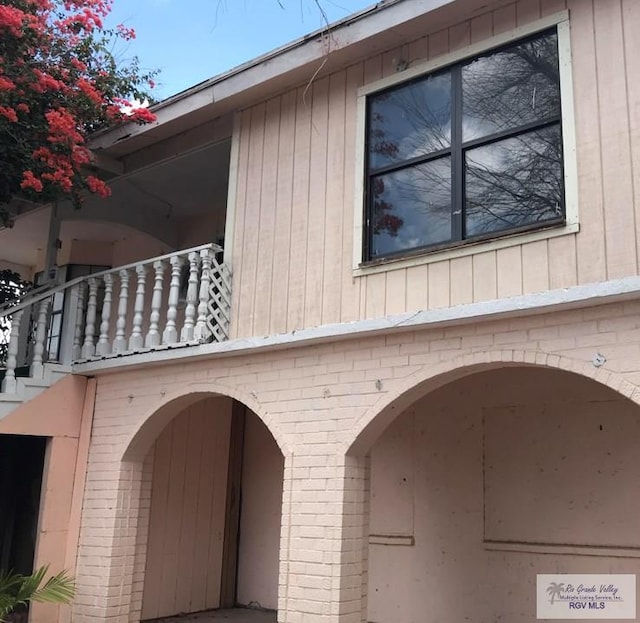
[(376, 418), (155, 419)]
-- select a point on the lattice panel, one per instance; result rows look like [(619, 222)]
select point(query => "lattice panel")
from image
[(219, 304)]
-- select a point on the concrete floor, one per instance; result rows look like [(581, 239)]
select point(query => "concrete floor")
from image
[(235, 615)]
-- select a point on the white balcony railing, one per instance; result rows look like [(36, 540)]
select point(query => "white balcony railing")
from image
[(175, 300)]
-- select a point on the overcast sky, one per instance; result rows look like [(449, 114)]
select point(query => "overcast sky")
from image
[(192, 40)]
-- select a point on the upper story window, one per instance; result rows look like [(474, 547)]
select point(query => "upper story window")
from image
[(469, 152)]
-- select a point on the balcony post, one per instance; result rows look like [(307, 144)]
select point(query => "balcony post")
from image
[(76, 349), (153, 335), (192, 298), (136, 339), (88, 348), (170, 333), (202, 332), (37, 365), (104, 347), (9, 384), (120, 343)]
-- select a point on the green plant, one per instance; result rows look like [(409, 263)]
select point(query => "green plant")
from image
[(17, 590)]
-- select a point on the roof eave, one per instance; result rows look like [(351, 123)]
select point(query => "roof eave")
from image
[(341, 42)]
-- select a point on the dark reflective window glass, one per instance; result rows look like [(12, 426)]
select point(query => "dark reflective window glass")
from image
[(55, 324), (411, 208), (470, 152), (410, 121), (510, 88), (514, 183), (54, 344)]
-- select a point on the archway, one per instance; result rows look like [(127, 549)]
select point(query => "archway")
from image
[(490, 475), (210, 509)]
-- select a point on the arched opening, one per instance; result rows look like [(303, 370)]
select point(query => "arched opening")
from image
[(211, 498), (496, 476)]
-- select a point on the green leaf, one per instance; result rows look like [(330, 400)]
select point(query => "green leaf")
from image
[(16, 589)]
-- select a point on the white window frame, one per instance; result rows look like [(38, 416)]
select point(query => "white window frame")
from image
[(571, 226)]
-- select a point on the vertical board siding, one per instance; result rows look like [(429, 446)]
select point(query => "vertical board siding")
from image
[(417, 287), (509, 272), (335, 203), (505, 19), (350, 294), (300, 212), (267, 220), (461, 275), (527, 11), (630, 21), (617, 193), (485, 284), (535, 266), (243, 129), (283, 216), (317, 204), (591, 242), (438, 285), (184, 552), (298, 173)]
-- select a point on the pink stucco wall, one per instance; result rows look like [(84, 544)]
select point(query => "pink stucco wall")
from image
[(63, 414)]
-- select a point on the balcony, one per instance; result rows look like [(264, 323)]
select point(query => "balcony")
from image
[(172, 301)]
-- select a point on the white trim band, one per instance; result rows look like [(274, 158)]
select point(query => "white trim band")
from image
[(588, 295)]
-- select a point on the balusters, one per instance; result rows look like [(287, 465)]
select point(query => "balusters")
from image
[(153, 335), (88, 348), (76, 350), (170, 333), (192, 298), (136, 339), (9, 383), (201, 330), (110, 324), (37, 367), (120, 342), (104, 347)]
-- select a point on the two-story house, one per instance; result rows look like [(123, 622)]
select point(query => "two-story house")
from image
[(357, 335)]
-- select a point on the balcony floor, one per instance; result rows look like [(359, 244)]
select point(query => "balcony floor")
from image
[(234, 615)]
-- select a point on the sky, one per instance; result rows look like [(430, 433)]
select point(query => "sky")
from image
[(192, 40)]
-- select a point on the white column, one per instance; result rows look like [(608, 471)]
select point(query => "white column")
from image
[(170, 333), (136, 339), (153, 335), (76, 350), (192, 298), (9, 381), (88, 348), (37, 367), (120, 343), (104, 347), (202, 332)]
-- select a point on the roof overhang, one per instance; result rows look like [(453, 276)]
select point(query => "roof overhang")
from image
[(388, 24)]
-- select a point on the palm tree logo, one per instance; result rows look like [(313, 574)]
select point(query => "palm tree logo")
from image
[(555, 589)]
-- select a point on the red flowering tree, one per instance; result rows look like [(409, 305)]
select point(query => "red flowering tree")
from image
[(59, 82)]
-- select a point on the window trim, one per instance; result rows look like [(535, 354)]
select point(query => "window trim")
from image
[(567, 123)]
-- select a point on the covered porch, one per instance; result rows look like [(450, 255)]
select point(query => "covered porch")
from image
[(143, 270)]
